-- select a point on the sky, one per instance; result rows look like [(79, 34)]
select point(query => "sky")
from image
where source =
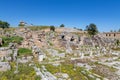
[(72, 13)]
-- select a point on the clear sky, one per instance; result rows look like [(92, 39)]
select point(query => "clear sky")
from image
[(73, 13)]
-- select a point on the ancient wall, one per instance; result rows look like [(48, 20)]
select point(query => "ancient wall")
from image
[(115, 35)]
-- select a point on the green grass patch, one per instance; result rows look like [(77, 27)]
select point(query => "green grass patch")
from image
[(25, 72), (24, 51), (69, 69), (15, 39)]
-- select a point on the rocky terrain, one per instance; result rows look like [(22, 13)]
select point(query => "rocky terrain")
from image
[(63, 54)]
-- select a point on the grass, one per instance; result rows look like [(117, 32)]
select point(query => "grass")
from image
[(86, 54), (24, 51), (34, 28), (60, 51), (103, 70), (11, 29), (26, 72), (50, 43), (69, 69), (8, 40)]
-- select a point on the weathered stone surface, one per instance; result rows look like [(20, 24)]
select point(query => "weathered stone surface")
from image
[(4, 66)]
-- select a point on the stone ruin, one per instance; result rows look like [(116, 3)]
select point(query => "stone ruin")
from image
[(1, 42), (38, 53)]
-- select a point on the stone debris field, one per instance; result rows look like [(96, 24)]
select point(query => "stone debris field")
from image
[(63, 54)]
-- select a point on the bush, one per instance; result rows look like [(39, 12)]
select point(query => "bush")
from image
[(4, 24), (62, 25), (52, 28)]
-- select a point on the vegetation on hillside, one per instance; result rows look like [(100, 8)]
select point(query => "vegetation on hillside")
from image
[(74, 72), (7, 40), (10, 29), (92, 29), (25, 72), (4, 24), (52, 28), (34, 28), (24, 51)]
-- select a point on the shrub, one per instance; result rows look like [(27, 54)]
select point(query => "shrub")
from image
[(52, 28)]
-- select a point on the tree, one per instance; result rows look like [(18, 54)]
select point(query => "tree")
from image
[(52, 28), (119, 30), (4, 24), (111, 30), (92, 29), (62, 25)]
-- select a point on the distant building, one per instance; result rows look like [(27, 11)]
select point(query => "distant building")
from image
[(22, 23), (115, 35)]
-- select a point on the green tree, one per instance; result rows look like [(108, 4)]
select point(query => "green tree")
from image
[(119, 30), (4, 24), (92, 29), (111, 30), (52, 28), (62, 25)]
